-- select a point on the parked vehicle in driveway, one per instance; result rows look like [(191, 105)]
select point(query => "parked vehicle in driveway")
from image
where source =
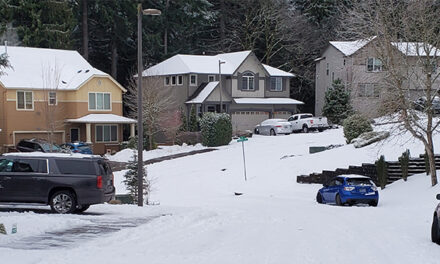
[(34, 144), (78, 147), (349, 189), (435, 228), (273, 127), (306, 122), (67, 182), (421, 103)]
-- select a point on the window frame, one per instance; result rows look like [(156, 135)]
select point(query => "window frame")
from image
[(276, 82), (369, 90), (248, 76), (173, 80), (213, 78), (110, 133), (96, 101), (374, 64), (167, 81), (24, 100), (49, 98), (179, 80)]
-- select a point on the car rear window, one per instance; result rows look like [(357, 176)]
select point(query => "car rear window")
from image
[(359, 181), (306, 116), (84, 167), (105, 168)]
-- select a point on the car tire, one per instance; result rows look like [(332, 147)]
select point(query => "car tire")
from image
[(373, 203), (272, 132), (319, 198), (435, 232), (338, 200), (63, 202), (320, 129), (82, 208), (256, 131), (287, 134), (305, 129)]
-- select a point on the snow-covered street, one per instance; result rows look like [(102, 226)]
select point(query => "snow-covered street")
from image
[(198, 218)]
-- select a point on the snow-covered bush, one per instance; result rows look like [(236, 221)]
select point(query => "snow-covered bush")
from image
[(382, 174), (404, 164), (216, 129), (131, 180), (368, 138), (337, 105), (355, 125)]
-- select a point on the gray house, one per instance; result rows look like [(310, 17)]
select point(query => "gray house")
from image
[(362, 73), (247, 89)]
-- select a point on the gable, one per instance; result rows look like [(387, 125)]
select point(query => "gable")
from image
[(251, 63)]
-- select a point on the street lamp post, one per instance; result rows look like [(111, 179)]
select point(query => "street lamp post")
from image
[(220, 83), (151, 12)]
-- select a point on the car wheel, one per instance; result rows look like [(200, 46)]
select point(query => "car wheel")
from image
[(272, 132), (319, 198), (256, 131), (338, 200), (373, 203), (435, 232), (287, 134), (305, 129), (63, 202), (82, 208), (320, 129)]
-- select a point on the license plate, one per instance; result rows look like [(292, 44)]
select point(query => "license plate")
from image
[(362, 190)]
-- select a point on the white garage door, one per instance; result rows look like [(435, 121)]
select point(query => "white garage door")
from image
[(247, 120), (282, 114)]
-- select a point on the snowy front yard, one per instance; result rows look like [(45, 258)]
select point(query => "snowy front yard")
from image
[(200, 220)]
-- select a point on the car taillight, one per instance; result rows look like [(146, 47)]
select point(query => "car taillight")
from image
[(311, 121), (278, 126), (99, 182), (348, 189), (75, 151)]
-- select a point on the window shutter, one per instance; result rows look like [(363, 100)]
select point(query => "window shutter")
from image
[(239, 80), (283, 84), (257, 81)]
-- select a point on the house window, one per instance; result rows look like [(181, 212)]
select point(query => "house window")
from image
[(173, 80), (374, 65), (211, 78), (167, 80), (193, 79), (99, 101), (52, 98), (344, 62), (179, 80), (211, 108), (248, 81), (368, 90), (106, 133), (25, 100), (276, 83)]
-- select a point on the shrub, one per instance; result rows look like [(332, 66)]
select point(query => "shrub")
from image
[(193, 124), (132, 143), (382, 175), (404, 164), (216, 129), (189, 138), (355, 125)]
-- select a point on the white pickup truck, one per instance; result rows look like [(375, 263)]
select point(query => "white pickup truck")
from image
[(306, 122)]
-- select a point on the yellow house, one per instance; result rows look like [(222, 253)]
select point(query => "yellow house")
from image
[(57, 95)]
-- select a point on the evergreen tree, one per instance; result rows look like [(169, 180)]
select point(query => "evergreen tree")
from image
[(4, 62), (193, 125), (382, 172), (131, 180), (184, 126), (337, 105)]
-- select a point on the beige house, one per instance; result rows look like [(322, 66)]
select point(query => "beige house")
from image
[(57, 94), (249, 90), (356, 64)]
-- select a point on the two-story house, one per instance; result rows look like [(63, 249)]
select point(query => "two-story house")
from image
[(58, 93), (247, 89), (357, 65)]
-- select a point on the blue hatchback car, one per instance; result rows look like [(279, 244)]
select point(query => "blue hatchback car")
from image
[(349, 189), (78, 147)]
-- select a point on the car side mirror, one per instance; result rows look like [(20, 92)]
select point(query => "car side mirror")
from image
[(438, 196)]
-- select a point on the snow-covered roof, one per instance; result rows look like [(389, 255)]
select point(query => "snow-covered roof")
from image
[(37, 68), (348, 48), (201, 97), (416, 48), (102, 119), (267, 101), (203, 64), (277, 72)]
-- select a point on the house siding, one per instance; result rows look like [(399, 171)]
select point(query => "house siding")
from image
[(251, 63)]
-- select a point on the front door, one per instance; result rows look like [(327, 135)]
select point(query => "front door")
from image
[(74, 134)]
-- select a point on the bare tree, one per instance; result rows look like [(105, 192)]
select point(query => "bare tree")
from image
[(157, 101), (406, 44)]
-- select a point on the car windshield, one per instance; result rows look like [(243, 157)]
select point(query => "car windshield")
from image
[(359, 181), (50, 147)]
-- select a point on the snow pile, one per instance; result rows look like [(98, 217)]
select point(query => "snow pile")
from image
[(126, 155), (368, 138)]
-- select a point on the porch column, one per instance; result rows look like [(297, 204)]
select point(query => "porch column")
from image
[(132, 130), (88, 133)]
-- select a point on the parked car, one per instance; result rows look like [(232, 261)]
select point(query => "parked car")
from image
[(78, 147), (420, 104), (306, 122), (349, 189), (67, 182), (34, 144), (273, 127), (435, 228)]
